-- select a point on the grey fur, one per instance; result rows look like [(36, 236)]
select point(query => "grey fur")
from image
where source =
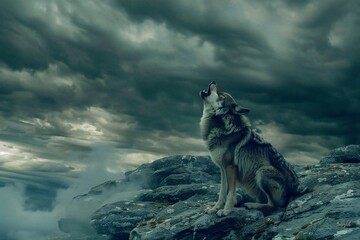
[(243, 156)]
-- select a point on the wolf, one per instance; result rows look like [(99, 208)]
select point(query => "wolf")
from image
[(243, 156)]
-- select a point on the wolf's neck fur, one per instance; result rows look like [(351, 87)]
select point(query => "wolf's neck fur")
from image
[(206, 121), (213, 126)]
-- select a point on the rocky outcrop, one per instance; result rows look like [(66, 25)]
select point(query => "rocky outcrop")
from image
[(166, 199), (348, 154)]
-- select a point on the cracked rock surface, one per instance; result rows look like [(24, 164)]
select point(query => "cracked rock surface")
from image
[(166, 199)]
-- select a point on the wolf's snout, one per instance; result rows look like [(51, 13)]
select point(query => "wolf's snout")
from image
[(205, 93)]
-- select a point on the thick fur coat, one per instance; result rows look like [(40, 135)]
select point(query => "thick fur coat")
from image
[(244, 158)]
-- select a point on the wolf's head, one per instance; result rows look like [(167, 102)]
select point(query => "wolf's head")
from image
[(220, 102)]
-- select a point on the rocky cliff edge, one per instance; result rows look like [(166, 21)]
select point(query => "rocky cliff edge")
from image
[(166, 199)]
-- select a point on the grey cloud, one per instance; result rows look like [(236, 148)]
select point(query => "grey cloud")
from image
[(232, 34), (108, 51), (128, 73), (36, 34)]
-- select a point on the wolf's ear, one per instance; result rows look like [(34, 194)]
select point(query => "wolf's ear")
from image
[(239, 110)]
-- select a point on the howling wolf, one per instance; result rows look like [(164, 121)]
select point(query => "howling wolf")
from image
[(243, 157)]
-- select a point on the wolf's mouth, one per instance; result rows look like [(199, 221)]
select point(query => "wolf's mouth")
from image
[(204, 94)]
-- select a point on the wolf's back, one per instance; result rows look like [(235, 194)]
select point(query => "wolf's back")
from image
[(279, 162)]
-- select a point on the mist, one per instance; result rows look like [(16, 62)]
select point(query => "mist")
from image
[(19, 223)]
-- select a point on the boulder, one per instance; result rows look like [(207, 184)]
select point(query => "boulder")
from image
[(347, 154), (174, 170)]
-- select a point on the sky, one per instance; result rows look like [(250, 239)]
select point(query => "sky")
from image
[(114, 84)]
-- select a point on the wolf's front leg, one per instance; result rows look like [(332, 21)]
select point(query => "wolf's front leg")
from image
[(222, 194), (231, 177)]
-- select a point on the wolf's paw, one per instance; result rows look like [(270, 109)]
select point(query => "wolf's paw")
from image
[(215, 208), (211, 210), (223, 212)]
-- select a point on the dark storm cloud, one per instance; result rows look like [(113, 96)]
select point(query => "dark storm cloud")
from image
[(74, 74), (203, 18), (311, 79), (89, 48), (34, 36)]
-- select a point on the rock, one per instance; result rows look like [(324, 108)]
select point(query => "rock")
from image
[(348, 154), (174, 171), (166, 199), (173, 194), (121, 217), (332, 207), (187, 220), (323, 213), (331, 174)]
